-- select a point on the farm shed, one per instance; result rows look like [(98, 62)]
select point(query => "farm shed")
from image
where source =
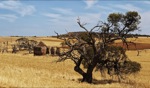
[(40, 49)]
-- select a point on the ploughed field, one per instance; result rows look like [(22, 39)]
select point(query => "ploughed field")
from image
[(27, 70), (139, 44)]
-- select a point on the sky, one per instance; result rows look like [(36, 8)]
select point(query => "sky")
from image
[(43, 17)]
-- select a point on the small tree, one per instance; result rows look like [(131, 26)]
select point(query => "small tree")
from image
[(93, 47)]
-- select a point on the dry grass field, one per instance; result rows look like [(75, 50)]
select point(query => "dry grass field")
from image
[(20, 70)]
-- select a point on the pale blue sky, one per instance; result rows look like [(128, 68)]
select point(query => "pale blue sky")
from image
[(43, 17)]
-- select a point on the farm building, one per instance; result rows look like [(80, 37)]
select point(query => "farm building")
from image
[(40, 49)]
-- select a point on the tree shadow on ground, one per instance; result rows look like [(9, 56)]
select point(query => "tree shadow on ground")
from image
[(95, 81), (109, 81)]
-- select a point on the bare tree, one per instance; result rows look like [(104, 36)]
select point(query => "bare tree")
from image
[(26, 44), (14, 49), (31, 44), (93, 48), (4, 47), (22, 43)]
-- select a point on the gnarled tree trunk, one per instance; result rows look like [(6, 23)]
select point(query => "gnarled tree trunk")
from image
[(87, 76)]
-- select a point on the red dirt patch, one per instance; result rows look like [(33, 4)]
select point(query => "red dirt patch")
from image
[(131, 46)]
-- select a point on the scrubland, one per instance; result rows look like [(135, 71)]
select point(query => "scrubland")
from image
[(27, 70)]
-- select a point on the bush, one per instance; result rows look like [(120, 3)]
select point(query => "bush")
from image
[(131, 67)]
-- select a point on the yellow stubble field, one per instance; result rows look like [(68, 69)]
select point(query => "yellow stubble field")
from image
[(19, 70)]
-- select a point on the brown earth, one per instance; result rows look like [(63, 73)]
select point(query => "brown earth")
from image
[(135, 46)]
